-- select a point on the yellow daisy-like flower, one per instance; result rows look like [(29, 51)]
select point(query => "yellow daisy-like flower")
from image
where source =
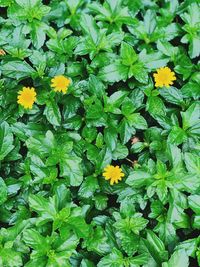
[(164, 77), (26, 97), (113, 173), (60, 83)]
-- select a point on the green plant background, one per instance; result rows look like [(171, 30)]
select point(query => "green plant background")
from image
[(56, 209)]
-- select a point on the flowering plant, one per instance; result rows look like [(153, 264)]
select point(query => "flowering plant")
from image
[(99, 133)]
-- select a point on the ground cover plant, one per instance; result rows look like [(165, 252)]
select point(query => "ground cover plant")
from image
[(99, 133)]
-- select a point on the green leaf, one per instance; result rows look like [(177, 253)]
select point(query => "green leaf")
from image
[(52, 112), (155, 106), (6, 140), (191, 117), (96, 87), (95, 115), (73, 5), (193, 201), (138, 260), (97, 241), (153, 61), (191, 89), (139, 72), (88, 187), (17, 69), (177, 136), (192, 162), (120, 152), (192, 19), (37, 262), (137, 121), (112, 11), (126, 131), (89, 27), (38, 34), (167, 49), (99, 140), (104, 159), (79, 226), (196, 223), (28, 10), (177, 216), (3, 191), (138, 178), (45, 208), (10, 258), (114, 259), (100, 201), (189, 245), (194, 50), (172, 95), (179, 259), (87, 263), (130, 242), (35, 241), (110, 137), (114, 72), (70, 167), (183, 65), (155, 247), (133, 224), (127, 54)]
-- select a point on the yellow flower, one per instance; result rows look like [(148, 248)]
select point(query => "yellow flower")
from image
[(26, 97), (164, 77), (113, 173), (60, 83)]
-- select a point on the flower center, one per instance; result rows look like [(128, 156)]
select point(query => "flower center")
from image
[(27, 97)]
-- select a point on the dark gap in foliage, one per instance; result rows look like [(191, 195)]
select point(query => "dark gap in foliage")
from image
[(187, 234), (34, 214), (94, 213), (152, 223), (23, 150), (186, 193), (193, 262), (147, 210), (3, 12), (150, 120), (53, 24), (195, 61), (80, 58), (79, 247), (189, 212), (46, 2), (112, 201), (100, 129), (178, 19), (81, 111), (194, 234), (29, 62), (124, 28), (4, 225), (115, 87), (74, 192), (175, 41), (125, 161), (166, 206), (139, 15), (27, 82)]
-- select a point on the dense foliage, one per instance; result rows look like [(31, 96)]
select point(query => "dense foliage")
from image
[(56, 207)]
